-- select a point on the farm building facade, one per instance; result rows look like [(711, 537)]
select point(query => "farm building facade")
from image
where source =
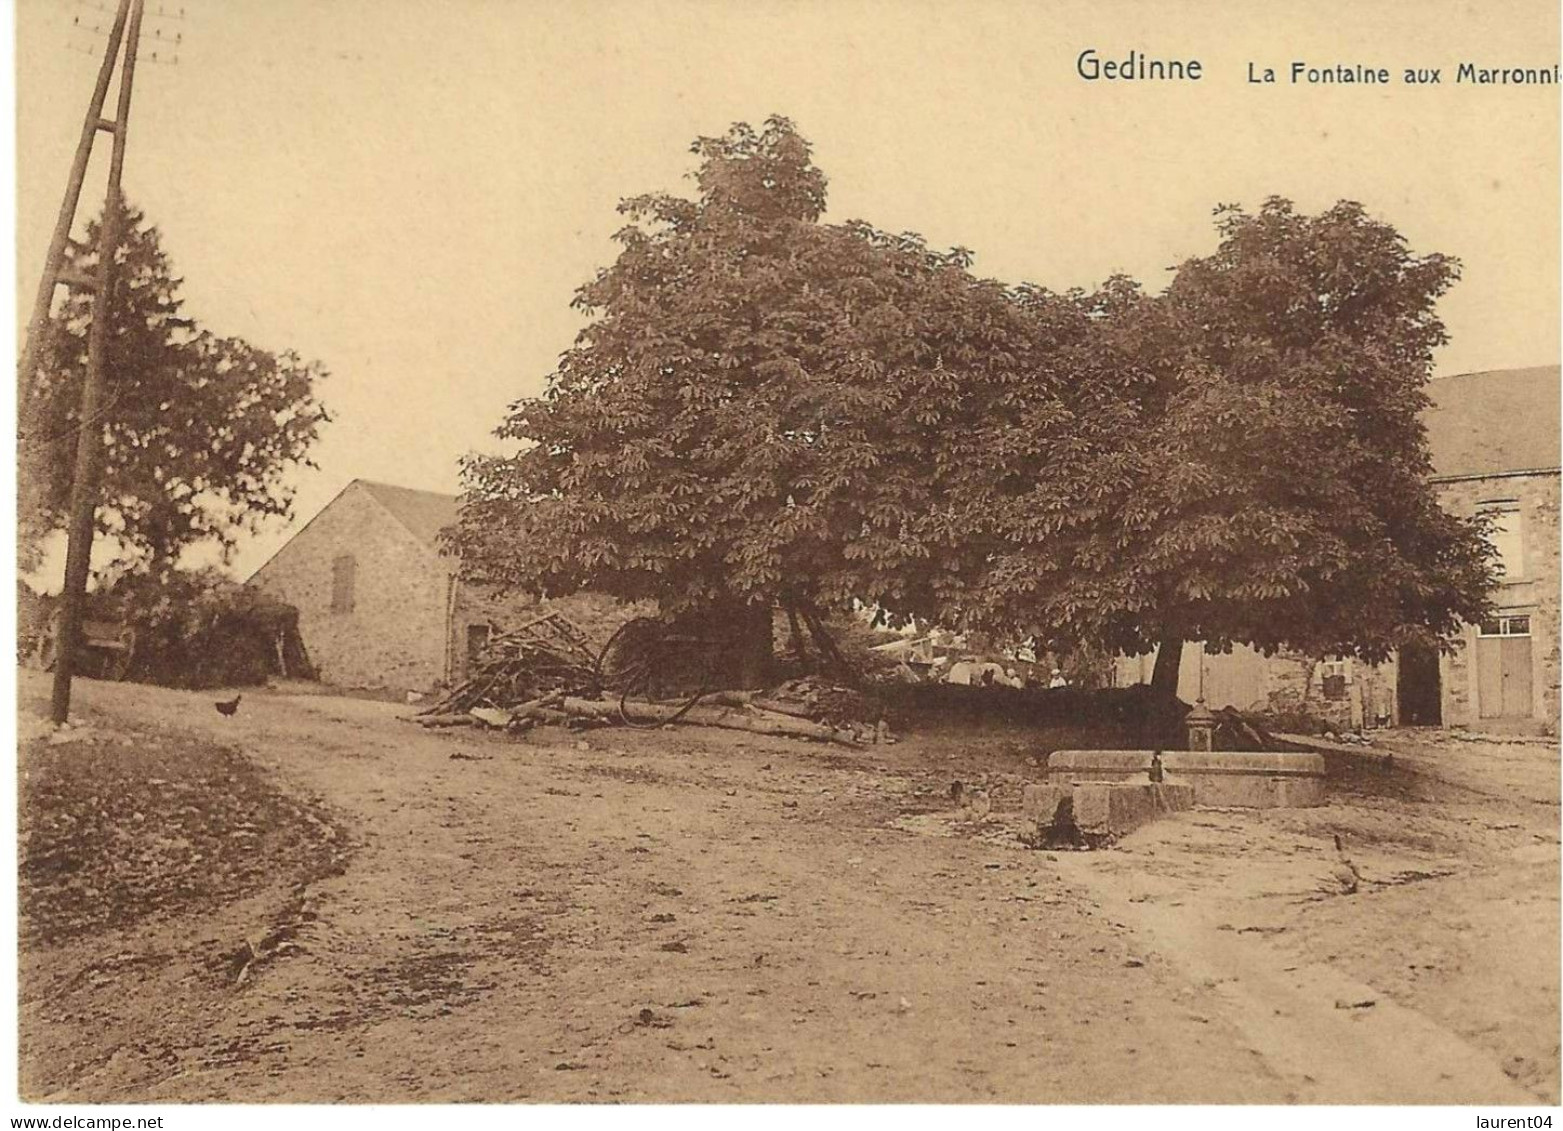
[(381, 606), (1494, 441)]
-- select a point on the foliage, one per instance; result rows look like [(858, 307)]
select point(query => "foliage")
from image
[(198, 628), (764, 409), (198, 429), (1258, 468), (768, 409)]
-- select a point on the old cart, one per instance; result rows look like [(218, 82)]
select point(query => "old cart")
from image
[(107, 646)]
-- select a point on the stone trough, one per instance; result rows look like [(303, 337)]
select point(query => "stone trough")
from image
[(1096, 813), (1222, 779)]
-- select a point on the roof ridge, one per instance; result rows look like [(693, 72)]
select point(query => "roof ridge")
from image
[(422, 524), (1552, 365), (373, 483)]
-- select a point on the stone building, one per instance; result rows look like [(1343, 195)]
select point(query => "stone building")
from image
[(1494, 440), (380, 604)]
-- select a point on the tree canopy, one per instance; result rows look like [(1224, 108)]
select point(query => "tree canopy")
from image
[(1264, 479), (198, 429), (765, 408)]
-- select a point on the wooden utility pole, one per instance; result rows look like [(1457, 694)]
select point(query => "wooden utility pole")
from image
[(89, 430), (38, 327)]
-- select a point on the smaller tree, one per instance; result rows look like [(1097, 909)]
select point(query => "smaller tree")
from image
[(198, 429), (1252, 466)]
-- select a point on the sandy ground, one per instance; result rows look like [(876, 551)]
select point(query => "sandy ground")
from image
[(706, 916)]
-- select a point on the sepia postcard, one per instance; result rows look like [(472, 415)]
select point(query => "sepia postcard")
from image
[(743, 552)]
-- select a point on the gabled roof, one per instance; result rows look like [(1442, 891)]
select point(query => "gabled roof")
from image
[(425, 513), (1500, 421)]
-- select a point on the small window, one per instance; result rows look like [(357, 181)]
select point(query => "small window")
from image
[(1334, 677), (344, 579), (1517, 624)]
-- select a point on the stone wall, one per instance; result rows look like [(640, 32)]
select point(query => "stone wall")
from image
[(1346, 693), (394, 635), (1534, 593), (1287, 682)]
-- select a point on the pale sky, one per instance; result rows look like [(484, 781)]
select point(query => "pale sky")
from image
[(411, 191)]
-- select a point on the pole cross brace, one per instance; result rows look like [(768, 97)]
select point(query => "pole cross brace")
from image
[(77, 280)]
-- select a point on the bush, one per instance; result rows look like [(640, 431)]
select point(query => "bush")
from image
[(199, 629)]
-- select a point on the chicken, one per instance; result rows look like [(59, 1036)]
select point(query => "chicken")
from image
[(228, 706), (1345, 872)]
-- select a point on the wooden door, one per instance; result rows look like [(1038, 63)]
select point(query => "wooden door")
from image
[(1516, 677), (1489, 675), (1503, 675)]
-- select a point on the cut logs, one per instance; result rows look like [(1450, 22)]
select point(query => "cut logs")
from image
[(731, 718)]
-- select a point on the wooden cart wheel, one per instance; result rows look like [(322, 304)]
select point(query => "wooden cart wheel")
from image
[(624, 657), (672, 654), (644, 659)]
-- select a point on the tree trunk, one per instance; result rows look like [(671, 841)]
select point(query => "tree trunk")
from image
[(800, 649), (1162, 726), (756, 646), (1169, 657), (745, 656), (834, 661)]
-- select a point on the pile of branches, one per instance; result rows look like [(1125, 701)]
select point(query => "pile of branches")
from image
[(547, 656), (545, 673)]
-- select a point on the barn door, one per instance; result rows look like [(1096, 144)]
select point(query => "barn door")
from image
[(1516, 677), (1489, 675), (1503, 668)]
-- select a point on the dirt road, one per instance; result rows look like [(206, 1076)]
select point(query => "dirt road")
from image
[(702, 916)]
